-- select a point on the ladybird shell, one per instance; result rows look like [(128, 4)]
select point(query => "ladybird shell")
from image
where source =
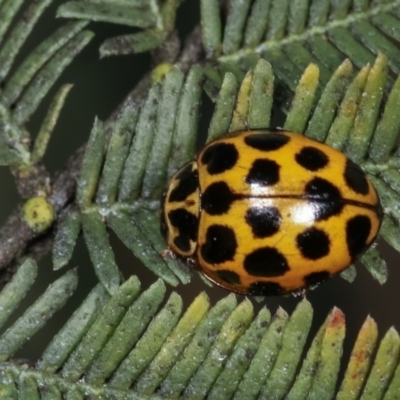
[(270, 212)]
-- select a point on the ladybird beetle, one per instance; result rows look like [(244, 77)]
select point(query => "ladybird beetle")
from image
[(270, 212)]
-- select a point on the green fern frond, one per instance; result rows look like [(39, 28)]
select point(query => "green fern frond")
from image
[(124, 194), (129, 346), (293, 34), (25, 85), (157, 20), (36, 316), (125, 342)]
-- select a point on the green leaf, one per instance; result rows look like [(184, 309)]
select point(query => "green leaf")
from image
[(234, 25), (303, 100), (388, 197), (12, 150), (257, 22), (225, 386), (277, 19), (44, 80), (149, 345), (233, 328), (325, 110), (101, 254), (128, 345), (262, 363), (360, 360), (37, 59), (117, 153), (25, 81), (349, 274), (198, 348), (187, 119), (389, 231), (65, 239), (224, 108), (8, 389), (91, 165), (133, 238), (293, 342), (28, 388), (43, 137), (384, 139), (127, 333), (383, 368), (304, 379), (141, 14), (8, 154), (101, 330), (37, 314), (17, 36), (375, 265), (173, 346), (364, 124), (293, 34), (343, 124), (394, 386), (155, 174), (149, 223), (135, 43), (7, 12), (211, 26), (261, 95), (73, 331), (158, 21), (240, 113), (13, 293), (135, 165), (324, 381)]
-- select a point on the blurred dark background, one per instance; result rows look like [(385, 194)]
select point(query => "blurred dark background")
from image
[(99, 86)]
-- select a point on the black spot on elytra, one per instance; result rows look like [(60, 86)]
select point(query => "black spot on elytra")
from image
[(188, 184), (219, 157), (356, 178), (321, 189), (263, 172), (326, 209), (316, 277), (228, 276), (187, 224), (266, 289), (313, 243), (328, 198), (267, 262), (357, 231), (217, 198), (220, 244), (311, 158), (264, 221), (267, 141)]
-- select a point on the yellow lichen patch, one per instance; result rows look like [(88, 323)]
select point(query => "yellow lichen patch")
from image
[(38, 214), (160, 71)]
